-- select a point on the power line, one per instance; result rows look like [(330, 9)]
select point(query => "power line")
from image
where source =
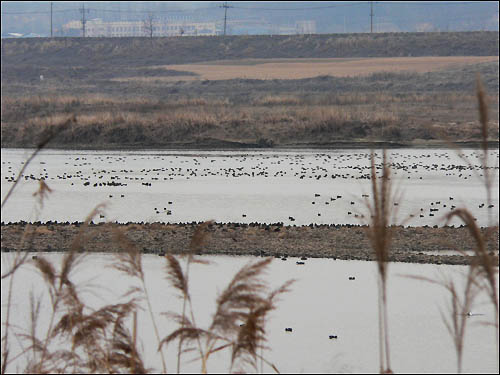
[(151, 11), (225, 6), (361, 3), (435, 3), (112, 11), (308, 8), (418, 3), (41, 12)]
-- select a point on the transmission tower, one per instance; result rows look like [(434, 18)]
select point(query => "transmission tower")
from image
[(371, 16), (84, 21), (225, 6)]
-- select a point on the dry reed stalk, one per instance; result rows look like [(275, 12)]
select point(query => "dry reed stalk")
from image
[(92, 347), (86, 331), (243, 301), (59, 294), (483, 119), (483, 269), (251, 335), (41, 194), (130, 263), (64, 295), (180, 281), (458, 310), (382, 211), (124, 354), (63, 292), (48, 135), (481, 275), (487, 177), (483, 262)]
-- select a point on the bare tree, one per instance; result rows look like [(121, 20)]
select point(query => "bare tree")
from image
[(148, 25)]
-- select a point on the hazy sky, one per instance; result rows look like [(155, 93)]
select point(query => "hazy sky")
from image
[(260, 17)]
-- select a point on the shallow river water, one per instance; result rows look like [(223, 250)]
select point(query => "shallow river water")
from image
[(322, 302), (293, 187)]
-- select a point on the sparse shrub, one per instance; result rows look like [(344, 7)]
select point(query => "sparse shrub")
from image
[(392, 132), (265, 142)]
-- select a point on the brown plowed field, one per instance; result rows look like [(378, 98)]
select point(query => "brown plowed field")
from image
[(308, 68)]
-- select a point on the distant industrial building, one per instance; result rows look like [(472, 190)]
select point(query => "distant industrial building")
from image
[(305, 27), (301, 27), (98, 28)]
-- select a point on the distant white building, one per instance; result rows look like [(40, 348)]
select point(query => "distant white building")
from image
[(98, 28), (12, 35), (305, 27), (301, 27), (283, 30)]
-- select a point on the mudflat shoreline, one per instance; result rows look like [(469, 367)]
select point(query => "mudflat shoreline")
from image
[(217, 144), (345, 242)]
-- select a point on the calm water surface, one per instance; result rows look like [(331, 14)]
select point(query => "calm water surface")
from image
[(252, 186), (270, 186), (323, 302)]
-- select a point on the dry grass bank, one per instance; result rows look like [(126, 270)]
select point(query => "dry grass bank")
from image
[(267, 120)]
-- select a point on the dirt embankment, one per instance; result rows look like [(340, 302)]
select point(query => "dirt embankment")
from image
[(347, 242), (181, 50)]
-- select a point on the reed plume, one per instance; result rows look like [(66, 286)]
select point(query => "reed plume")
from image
[(129, 262), (382, 212), (239, 320)]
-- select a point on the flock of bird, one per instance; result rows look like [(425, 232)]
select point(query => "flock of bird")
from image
[(115, 174)]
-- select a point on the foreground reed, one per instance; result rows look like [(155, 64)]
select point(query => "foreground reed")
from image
[(483, 270), (382, 212), (100, 340), (482, 273), (79, 338)]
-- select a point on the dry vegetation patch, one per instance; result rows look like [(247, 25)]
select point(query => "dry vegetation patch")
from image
[(307, 68)]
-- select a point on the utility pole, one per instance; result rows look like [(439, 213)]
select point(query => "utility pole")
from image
[(51, 19), (371, 16), (82, 10), (225, 6)]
